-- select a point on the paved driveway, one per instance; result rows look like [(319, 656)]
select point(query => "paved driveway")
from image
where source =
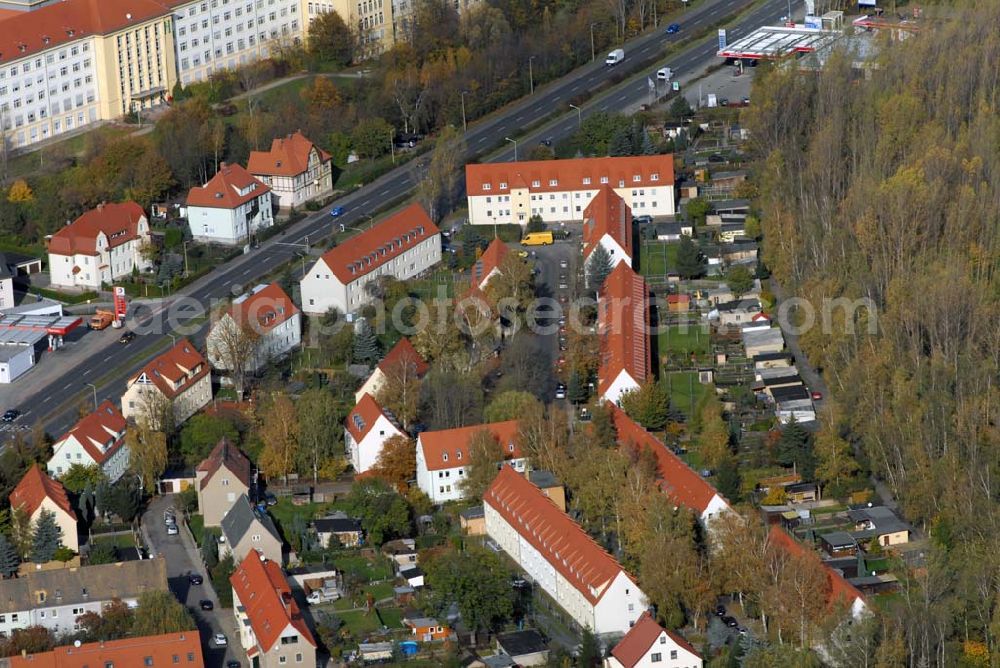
[(183, 557)]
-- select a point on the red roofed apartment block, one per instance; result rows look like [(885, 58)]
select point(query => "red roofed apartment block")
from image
[(443, 455), (37, 492), (180, 375), (367, 428), (558, 554), (272, 316), (649, 645), (607, 221), (220, 479), (97, 439), (101, 246), (229, 209), (170, 649), (623, 325), (682, 484), (297, 170), (403, 245), (402, 362), (488, 264), (272, 629), (558, 190)]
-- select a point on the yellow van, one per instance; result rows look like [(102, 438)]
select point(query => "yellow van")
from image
[(537, 239)]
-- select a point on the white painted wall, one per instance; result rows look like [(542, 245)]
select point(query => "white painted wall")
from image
[(366, 453), (622, 384), (17, 364), (563, 206), (230, 226)]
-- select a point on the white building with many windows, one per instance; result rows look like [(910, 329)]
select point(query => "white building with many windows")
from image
[(296, 170), (649, 645), (97, 439), (443, 455), (230, 208), (560, 190), (403, 245)]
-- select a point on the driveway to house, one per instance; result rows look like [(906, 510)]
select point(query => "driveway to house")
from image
[(183, 557)]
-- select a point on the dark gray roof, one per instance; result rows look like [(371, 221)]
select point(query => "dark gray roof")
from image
[(748, 305), (668, 228), (767, 357), (543, 479), (883, 518), (838, 539), (728, 205), (475, 512), (519, 643), (411, 572), (84, 584), (789, 393), (788, 379), (337, 525), (731, 227), (800, 487), (241, 517)]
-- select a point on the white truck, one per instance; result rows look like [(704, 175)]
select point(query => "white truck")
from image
[(664, 74), (615, 57)]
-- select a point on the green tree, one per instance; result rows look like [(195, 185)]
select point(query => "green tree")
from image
[(46, 538), (691, 261), (679, 108), (102, 552), (697, 209), (372, 137), (123, 499), (599, 265), (320, 433), (147, 453), (384, 514), (648, 147), (577, 390), (621, 142), (202, 432), (79, 477), (727, 478), (739, 279), (159, 612), (590, 651), (598, 130), (10, 560), (210, 548), (509, 405), (366, 345), (330, 40), (649, 405), (535, 224), (478, 581), (835, 463), (485, 457), (795, 448), (438, 188)]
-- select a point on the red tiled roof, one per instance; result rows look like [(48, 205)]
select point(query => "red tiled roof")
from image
[(289, 156), (620, 172), (623, 318), (267, 599), (35, 487), (404, 353), (223, 190), (266, 308), (682, 484), (678, 299), (170, 649), (72, 20), (607, 214), (366, 252), (174, 365), (228, 455), (455, 443), (488, 261), (118, 222), (101, 433), (839, 589), (367, 412), (641, 637), (560, 540)]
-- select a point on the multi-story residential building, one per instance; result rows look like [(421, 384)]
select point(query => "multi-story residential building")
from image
[(38, 493), (401, 246), (68, 64), (443, 455), (649, 645), (272, 317), (55, 598), (402, 363), (97, 439), (213, 35), (607, 222), (558, 190), (230, 208), (170, 649), (368, 427), (272, 629), (623, 327), (220, 479), (296, 170), (99, 247), (680, 482), (179, 377), (558, 555), (249, 530)]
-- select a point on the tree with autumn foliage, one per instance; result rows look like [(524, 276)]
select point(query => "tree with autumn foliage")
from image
[(397, 463), (649, 405), (485, 457), (278, 428)]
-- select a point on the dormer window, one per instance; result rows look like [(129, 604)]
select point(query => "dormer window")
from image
[(444, 456), (604, 179), (553, 182), (654, 176), (536, 183), (458, 455), (636, 178), (510, 447), (586, 180), (621, 183), (503, 185), (487, 186)]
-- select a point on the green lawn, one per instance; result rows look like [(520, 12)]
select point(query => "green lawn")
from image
[(117, 540), (361, 622), (427, 288), (656, 258), (196, 523), (685, 391), (375, 569), (685, 340)]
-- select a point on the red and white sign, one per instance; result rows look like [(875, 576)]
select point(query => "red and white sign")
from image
[(121, 305)]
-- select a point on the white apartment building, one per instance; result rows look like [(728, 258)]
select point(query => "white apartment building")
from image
[(97, 439), (558, 555), (649, 645), (402, 246), (607, 222), (443, 455), (99, 247), (560, 190), (273, 317), (230, 208), (213, 35), (367, 428), (179, 376)]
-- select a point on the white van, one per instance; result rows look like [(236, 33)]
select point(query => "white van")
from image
[(615, 57), (664, 74)]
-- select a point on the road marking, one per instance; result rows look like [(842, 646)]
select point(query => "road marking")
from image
[(47, 399), (86, 372), (108, 358)]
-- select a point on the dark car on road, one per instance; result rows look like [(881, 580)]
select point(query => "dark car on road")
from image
[(337, 211), (195, 579), (11, 414), (127, 337), (206, 604), (673, 28)]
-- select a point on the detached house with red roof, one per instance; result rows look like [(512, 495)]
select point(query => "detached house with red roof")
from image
[(607, 222), (101, 246), (220, 479), (36, 493), (559, 190), (555, 552), (230, 208), (273, 318), (443, 455), (402, 246), (296, 170), (488, 264), (97, 439), (181, 376), (623, 327), (272, 629), (402, 362), (649, 645), (367, 428)]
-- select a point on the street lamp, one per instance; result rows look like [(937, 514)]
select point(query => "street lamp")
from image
[(593, 53), (186, 272), (94, 388), (465, 126), (392, 144), (531, 74), (514, 142), (579, 115)]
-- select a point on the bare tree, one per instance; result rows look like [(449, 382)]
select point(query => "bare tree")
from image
[(232, 346)]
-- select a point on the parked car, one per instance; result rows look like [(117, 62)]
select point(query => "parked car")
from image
[(337, 211), (563, 263), (220, 639), (547, 141), (233, 663), (817, 396), (673, 28), (205, 604), (720, 611), (271, 499), (172, 530), (127, 337), (560, 394), (195, 579), (730, 622), (11, 414)]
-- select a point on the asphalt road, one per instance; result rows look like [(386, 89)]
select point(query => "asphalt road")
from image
[(55, 405)]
